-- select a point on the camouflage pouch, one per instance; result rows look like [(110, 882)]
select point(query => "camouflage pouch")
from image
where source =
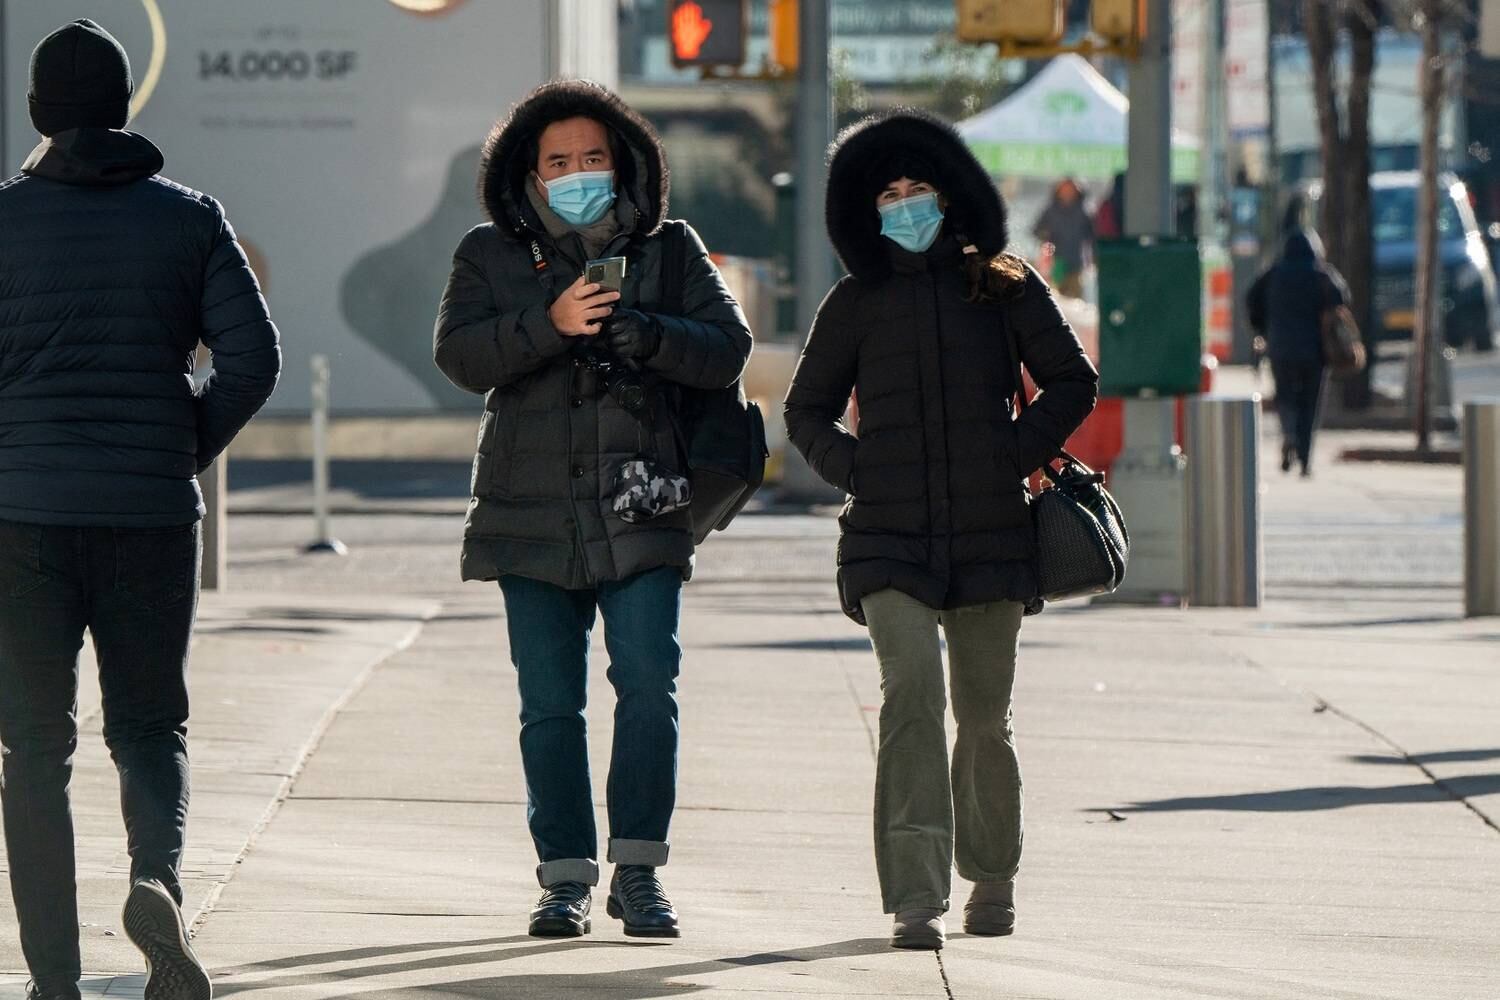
[(644, 489)]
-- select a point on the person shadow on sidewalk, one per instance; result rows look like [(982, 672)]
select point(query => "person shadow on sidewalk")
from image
[(643, 983), (1463, 789)]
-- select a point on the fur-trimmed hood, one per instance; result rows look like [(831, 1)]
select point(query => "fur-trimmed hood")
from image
[(975, 209), (503, 167)]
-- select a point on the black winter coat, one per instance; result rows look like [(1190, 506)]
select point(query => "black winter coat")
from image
[(547, 452), (109, 278), (938, 506), (1288, 300)]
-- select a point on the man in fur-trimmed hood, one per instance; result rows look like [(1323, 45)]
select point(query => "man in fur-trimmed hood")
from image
[(577, 381)]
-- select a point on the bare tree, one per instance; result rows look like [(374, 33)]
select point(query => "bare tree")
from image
[(1322, 46), (1425, 336), (1357, 259), (1344, 132)]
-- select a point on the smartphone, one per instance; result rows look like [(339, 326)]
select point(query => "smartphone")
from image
[(606, 272)]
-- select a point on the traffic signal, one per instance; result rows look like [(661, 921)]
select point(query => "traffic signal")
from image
[(1117, 20), (707, 32), (784, 35), (1031, 22)]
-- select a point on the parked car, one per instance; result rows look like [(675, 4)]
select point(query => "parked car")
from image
[(1470, 304)]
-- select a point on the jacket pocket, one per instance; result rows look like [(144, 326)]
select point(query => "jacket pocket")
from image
[(502, 443)]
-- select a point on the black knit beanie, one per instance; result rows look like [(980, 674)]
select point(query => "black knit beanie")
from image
[(80, 78)]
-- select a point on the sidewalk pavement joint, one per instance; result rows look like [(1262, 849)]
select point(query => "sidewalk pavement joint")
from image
[(303, 755)]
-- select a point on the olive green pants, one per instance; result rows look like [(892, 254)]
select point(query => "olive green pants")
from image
[(926, 819)]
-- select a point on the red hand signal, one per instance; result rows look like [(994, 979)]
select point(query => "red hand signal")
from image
[(690, 29)]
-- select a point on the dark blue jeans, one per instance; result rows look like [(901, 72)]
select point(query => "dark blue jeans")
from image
[(549, 644), (136, 591)]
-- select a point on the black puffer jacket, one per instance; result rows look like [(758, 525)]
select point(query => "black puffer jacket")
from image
[(109, 278), (938, 507), (548, 453)]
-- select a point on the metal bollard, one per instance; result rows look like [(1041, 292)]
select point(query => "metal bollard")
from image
[(323, 540), (1482, 508), (214, 482), (1223, 504)]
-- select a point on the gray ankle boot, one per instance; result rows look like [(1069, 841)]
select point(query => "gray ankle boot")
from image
[(991, 909), (919, 927)]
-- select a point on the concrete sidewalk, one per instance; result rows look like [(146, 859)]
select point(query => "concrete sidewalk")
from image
[(1298, 802)]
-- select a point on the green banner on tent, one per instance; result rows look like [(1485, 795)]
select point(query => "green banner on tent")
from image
[(1054, 160)]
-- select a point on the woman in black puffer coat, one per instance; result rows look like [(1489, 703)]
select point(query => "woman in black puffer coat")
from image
[(937, 530)]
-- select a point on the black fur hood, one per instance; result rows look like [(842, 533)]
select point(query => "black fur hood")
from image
[(975, 210), (503, 168)]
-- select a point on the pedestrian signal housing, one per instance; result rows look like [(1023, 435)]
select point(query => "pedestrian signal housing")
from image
[(707, 32), (1116, 20), (1029, 22)]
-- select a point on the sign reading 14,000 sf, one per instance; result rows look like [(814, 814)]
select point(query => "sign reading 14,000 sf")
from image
[(295, 64)]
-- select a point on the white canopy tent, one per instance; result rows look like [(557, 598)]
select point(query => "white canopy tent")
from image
[(1067, 121)]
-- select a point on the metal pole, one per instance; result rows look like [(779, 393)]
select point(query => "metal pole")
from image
[(1148, 474), (214, 482), (815, 271), (1424, 335), (1215, 180), (1223, 505), (1148, 180), (5, 164), (1482, 508), (323, 540)]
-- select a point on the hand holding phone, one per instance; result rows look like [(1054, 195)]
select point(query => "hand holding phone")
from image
[(606, 272), (580, 309)]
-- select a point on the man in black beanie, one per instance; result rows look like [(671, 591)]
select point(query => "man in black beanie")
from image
[(113, 276)]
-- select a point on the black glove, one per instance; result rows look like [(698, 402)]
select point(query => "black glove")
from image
[(630, 333)]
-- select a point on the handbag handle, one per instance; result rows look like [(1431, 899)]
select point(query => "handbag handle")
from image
[(1013, 355)]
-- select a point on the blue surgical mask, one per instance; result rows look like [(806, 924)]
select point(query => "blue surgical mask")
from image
[(581, 199), (913, 223)]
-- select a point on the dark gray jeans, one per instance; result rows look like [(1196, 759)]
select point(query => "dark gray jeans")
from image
[(923, 810), (136, 592)]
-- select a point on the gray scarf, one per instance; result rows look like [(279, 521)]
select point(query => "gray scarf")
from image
[(594, 237)]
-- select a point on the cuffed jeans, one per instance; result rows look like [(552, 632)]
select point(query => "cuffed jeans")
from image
[(923, 811), (136, 591), (549, 630)]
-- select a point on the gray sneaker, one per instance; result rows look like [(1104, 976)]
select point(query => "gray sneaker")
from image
[(991, 909), (154, 924), (920, 927)]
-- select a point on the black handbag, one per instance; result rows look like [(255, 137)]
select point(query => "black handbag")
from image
[(722, 434), (1082, 544)]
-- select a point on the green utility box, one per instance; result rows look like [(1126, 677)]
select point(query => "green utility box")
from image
[(1150, 316)]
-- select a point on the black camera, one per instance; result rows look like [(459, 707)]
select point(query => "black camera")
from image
[(623, 383)]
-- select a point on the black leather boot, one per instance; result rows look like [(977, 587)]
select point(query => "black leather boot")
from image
[(563, 911), (637, 898)]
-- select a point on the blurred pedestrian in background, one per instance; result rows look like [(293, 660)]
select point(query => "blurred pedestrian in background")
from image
[(1109, 217), (1288, 305), (113, 276), (578, 384), (1066, 226), (937, 532)]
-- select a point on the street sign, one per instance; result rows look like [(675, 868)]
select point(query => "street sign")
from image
[(707, 32)]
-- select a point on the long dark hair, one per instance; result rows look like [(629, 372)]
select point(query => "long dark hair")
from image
[(998, 278)]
